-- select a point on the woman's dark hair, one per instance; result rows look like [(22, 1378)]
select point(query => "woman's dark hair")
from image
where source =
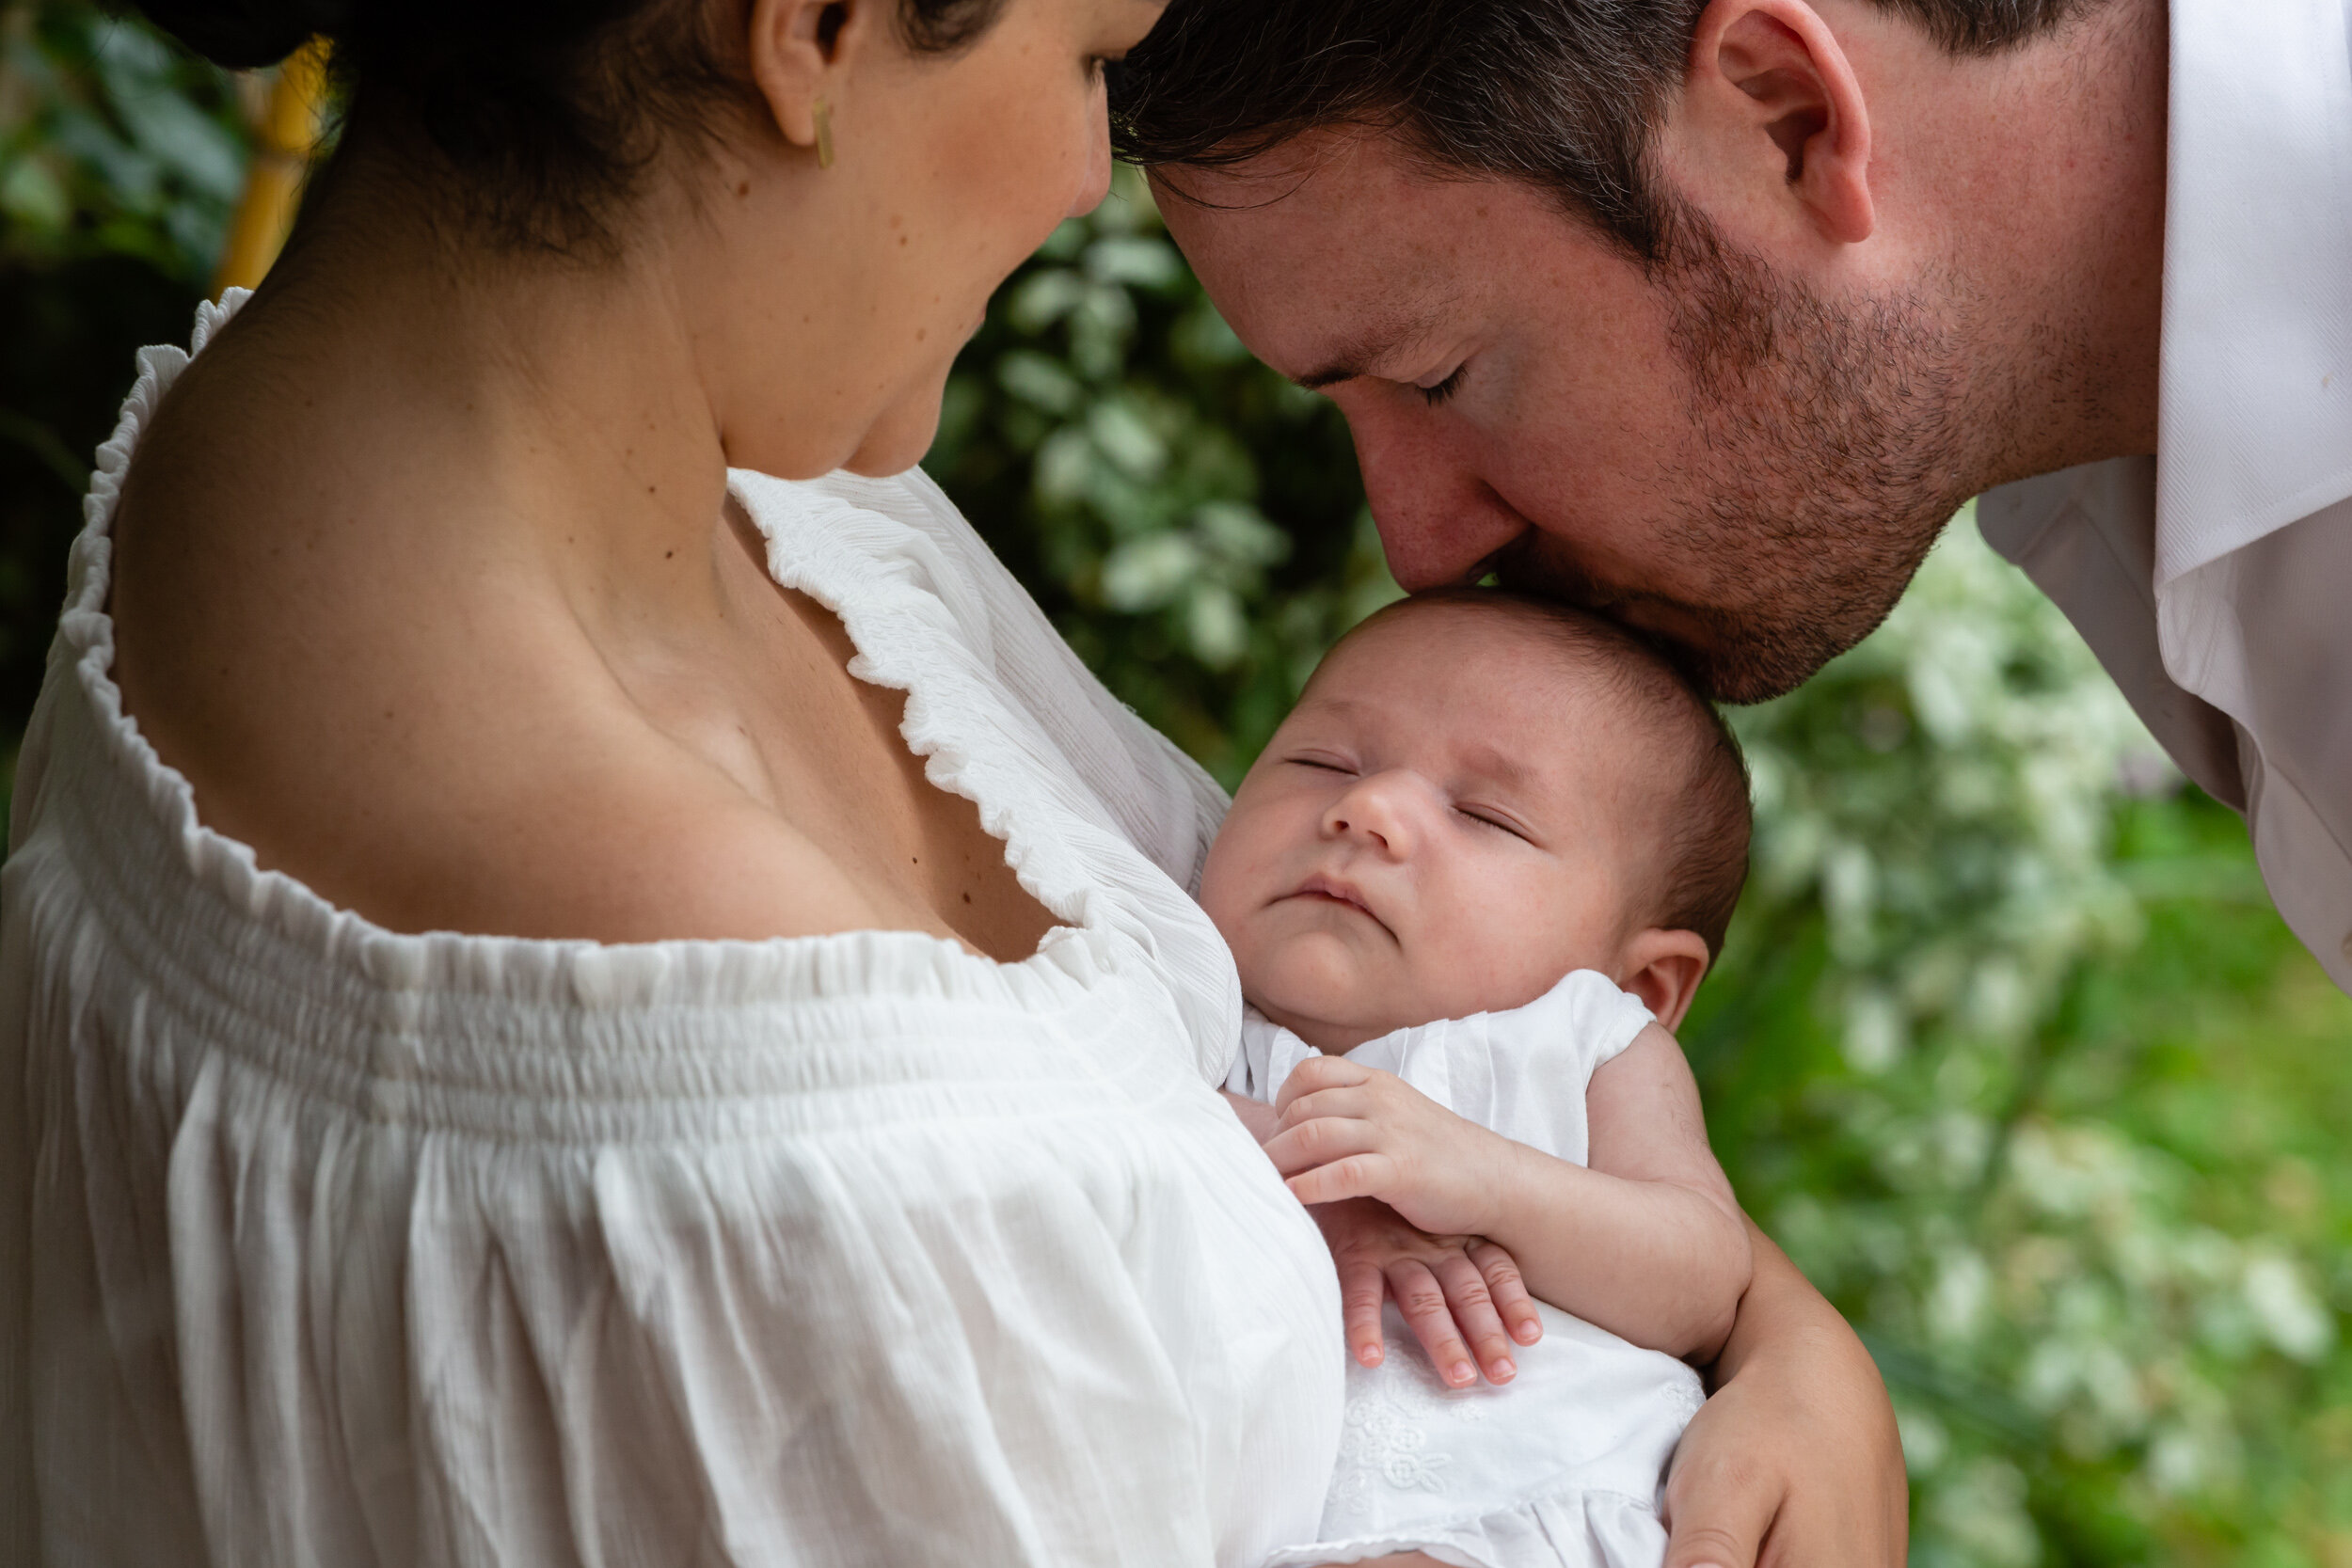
[(547, 112), (1562, 94)]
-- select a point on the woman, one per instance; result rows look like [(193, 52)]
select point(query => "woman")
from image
[(807, 1156)]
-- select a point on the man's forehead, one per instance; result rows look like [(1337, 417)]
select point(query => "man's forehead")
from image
[(1312, 284), (1336, 245), (1354, 205)]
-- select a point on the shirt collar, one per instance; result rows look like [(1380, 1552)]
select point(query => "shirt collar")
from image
[(2255, 400)]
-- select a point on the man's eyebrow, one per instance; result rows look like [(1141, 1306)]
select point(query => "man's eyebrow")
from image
[(1331, 376), (1370, 348)]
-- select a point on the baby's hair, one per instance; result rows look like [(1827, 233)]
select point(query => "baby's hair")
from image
[(1706, 842)]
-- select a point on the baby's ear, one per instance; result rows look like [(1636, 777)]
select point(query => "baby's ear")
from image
[(1664, 968)]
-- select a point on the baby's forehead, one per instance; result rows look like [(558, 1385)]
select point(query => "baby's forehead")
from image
[(1410, 644), (1533, 688)]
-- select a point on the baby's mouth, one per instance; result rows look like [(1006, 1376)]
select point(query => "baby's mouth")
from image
[(1331, 891)]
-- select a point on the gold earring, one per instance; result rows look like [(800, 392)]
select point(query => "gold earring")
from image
[(824, 134)]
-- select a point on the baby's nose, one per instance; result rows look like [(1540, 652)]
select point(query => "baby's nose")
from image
[(1380, 808)]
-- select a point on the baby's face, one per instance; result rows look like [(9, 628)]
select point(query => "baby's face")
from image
[(1446, 824)]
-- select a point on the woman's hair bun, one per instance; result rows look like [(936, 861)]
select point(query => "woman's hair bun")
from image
[(240, 35)]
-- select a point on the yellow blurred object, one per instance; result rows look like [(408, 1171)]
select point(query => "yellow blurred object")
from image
[(283, 138)]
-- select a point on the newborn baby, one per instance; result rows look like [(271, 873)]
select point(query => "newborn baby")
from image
[(1473, 881)]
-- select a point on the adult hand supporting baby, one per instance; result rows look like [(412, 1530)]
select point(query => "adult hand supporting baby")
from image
[(1795, 1462)]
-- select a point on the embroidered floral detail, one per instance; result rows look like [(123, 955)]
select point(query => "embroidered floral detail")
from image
[(1385, 1440)]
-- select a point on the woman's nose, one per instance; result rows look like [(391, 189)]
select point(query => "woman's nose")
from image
[(1380, 809), (1096, 180)]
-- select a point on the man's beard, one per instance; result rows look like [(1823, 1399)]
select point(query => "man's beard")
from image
[(1833, 450)]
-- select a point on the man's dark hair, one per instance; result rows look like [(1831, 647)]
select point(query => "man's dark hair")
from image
[(1563, 94), (1707, 818)]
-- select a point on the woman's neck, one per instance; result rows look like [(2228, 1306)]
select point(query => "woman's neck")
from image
[(558, 403)]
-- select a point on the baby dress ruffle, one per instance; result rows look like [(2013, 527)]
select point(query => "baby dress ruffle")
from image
[(1575, 1528)]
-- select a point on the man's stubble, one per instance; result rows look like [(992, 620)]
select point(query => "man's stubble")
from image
[(1836, 440)]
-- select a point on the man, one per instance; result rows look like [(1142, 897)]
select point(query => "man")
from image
[(1710, 312)]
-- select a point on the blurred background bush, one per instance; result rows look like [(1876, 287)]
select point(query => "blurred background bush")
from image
[(2008, 1047)]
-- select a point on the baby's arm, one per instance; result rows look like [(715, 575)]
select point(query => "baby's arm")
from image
[(1647, 1242)]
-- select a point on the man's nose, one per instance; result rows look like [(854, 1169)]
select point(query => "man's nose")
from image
[(1437, 516), (1381, 811)]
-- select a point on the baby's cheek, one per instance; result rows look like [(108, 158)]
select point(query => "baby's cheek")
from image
[(1218, 895), (1501, 944)]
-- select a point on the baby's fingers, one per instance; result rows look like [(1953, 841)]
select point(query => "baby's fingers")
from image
[(1319, 1072), (1350, 1102), (1422, 1299), (1363, 1291), (1357, 1176), (1319, 1142), (1474, 1315), (1503, 1283)]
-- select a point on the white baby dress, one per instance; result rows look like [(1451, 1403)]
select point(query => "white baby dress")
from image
[(1562, 1466)]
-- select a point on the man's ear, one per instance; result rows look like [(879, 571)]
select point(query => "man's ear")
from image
[(1770, 99), (799, 50), (1664, 968)]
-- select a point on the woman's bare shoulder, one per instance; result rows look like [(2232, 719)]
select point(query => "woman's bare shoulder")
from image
[(446, 719), (491, 785), (571, 827)]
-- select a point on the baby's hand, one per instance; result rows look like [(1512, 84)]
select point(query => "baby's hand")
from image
[(1349, 1131), (1456, 1292)]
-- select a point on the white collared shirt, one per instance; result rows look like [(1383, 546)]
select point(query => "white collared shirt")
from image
[(2215, 579)]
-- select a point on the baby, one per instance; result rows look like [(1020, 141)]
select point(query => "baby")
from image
[(1472, 883)]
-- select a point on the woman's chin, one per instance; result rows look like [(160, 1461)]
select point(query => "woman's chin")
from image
[(879, 456), (898, 440)]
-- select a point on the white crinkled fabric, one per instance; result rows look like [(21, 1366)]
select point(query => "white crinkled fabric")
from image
[(1562, 1466), (325, 1245)]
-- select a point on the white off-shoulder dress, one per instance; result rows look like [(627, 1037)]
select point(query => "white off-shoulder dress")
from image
[(1562, 1466), (323, 1244)]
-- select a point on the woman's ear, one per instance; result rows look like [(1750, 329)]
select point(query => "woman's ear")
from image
[(1771, 103), (1664, 968), (800, 51)]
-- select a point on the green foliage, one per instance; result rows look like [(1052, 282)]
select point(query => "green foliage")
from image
[(1952, 1064), (1192, 522), (2016, 1060), (113, 143), (119, 161)]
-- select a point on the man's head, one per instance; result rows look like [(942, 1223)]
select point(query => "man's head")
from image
[(1477, 793), (1706, 313)]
